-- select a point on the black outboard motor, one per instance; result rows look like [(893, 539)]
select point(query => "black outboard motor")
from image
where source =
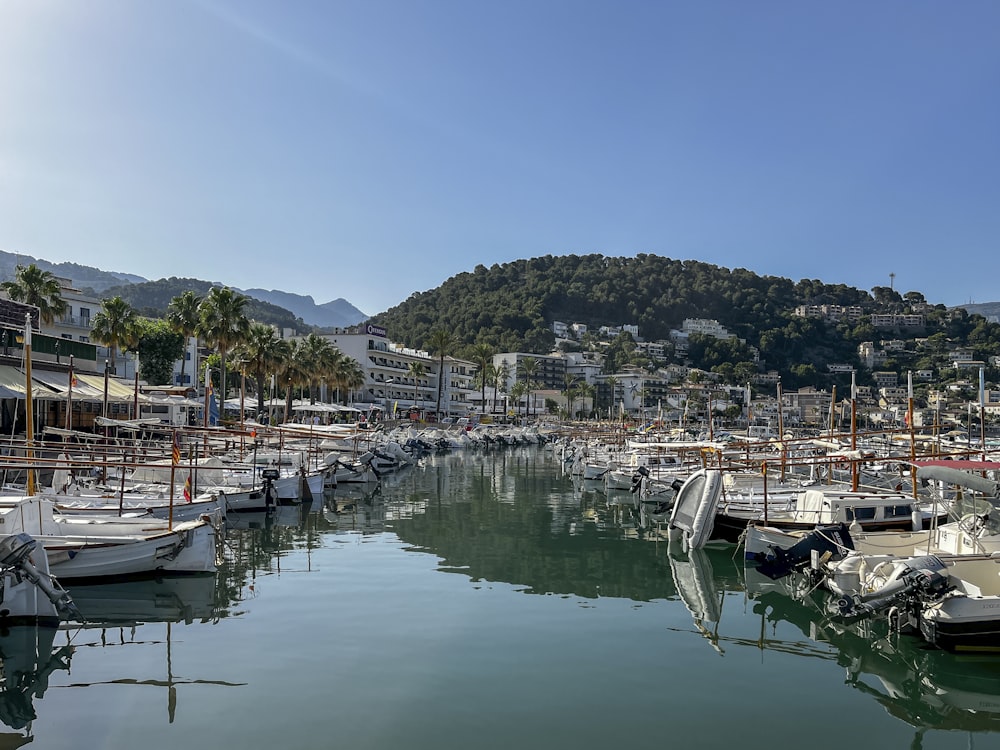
[(777, 563), (921, 580), (641, 473), (268, 476)]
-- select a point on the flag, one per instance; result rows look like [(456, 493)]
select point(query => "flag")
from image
[(187, 489), (177, 451), (213, 408)]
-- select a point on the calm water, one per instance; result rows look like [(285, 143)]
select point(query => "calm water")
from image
[(480, 601)]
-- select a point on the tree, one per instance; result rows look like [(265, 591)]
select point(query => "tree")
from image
[(517, 390), (569, 381), (500, 378), (586, 390), (416, 370), (33, 286), (347, 374), (440, 343), (482, 355), (289, 372), (223, 323), (526, 370), (262, 350), (317, 357), (115, 326), (612, 382), (183, 317), (158, 347)]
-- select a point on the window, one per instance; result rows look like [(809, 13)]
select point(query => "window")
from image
[(861, 514)]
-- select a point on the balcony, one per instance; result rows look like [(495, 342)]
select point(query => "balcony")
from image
[(75, 321)]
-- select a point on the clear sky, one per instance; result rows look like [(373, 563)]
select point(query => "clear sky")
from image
[(372, 149)]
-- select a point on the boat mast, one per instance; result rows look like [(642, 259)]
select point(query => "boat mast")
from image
[(29, 417)]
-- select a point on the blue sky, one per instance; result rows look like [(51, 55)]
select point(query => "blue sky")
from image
[(372, 149)]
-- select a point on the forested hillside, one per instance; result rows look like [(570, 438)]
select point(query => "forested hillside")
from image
[(512, 306)]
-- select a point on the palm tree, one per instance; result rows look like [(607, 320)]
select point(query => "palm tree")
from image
[(116, 325), (569, 381), (489, 378), (482, 355), (570, 392), (347, 374), (317, 357), (441, 343), (223, 323), (526, 369), (183, 317), (289, 372), (612, 382), (416, 370), (33, 286), (501, 376), (262, 350), (516, 391), (587, 390)]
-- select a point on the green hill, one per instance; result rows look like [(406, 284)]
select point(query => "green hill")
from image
[(512, 307)]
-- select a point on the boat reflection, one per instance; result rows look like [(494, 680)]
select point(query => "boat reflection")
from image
[(28, 658), (177, 599)]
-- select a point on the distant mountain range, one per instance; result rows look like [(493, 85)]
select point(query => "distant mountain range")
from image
[(989, 310), (338, 313)]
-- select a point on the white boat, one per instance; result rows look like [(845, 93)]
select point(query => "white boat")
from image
[(82, 546), (140, 503), (943, 583), (953, 602), (693, 512)]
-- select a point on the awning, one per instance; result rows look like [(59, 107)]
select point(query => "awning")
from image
[(58, 385), (961, 463), (117, 389), (12, 383)]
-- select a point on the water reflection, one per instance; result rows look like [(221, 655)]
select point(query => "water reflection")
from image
[(513, 518), (142, 614), (29, 658), (517, 519)]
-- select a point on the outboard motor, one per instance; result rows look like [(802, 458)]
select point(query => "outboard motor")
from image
[(919, 578), (268, 476), (14, 553), (777, 563), (641, 473)]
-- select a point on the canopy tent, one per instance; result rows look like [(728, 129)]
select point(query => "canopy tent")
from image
[(234, 404), (305, 406), (162, 399)]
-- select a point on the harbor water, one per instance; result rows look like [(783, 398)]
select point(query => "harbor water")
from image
[(476, 600)]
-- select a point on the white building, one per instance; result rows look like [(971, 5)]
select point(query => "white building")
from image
[(388, 383)]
